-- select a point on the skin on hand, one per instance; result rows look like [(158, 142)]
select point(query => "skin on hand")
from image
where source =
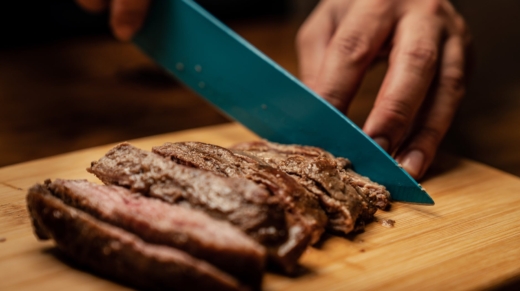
[(126, 16), (424, 83)]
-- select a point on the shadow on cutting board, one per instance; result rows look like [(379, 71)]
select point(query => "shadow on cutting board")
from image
[(55, 252), (442, 164), (510, 285), (63, 258)]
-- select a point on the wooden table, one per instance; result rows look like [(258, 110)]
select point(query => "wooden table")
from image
[(469, 240)]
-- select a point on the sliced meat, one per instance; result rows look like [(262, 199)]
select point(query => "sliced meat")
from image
[(154, 221), (345, 195), (301, 206), (319, 175), (376, 194), (118, 253), (239, 201)]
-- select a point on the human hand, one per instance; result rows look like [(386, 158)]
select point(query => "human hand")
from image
[(126, 16), (424, 83)]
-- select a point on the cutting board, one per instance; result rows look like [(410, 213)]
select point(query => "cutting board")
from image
[(469, 240)]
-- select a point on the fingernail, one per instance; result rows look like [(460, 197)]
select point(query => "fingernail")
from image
[(124, 33), (382, 142), (413, 162)]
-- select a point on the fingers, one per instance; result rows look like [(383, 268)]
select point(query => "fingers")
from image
[(420, 150), (412, 66), (93, 5), (311, 43), (127, 17), (354, 45), (342, 37)]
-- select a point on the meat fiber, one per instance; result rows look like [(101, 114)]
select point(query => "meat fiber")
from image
[(117, 253), (300, 205), (345, 195), (154, 221), (243, 203)]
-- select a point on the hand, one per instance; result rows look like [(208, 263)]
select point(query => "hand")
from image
[(126, 16), (425, 79)]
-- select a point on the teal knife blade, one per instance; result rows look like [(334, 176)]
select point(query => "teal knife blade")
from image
[(247, 86)]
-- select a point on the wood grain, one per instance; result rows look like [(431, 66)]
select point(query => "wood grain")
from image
[(469, 240)]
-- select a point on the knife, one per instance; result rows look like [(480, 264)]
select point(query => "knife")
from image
[(247, 86)]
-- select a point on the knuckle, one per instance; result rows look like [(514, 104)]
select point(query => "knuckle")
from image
[(334, 97), (355, 46), (397, 113), (423, 55), (453, 81)]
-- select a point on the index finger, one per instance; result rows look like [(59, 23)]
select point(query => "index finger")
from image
[(354, 45), (311, 42)]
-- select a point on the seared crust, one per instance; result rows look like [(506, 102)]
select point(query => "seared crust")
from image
[(300, 205), (189, 230), (347, 197), (301, 208), (120, 254), (243, 203)]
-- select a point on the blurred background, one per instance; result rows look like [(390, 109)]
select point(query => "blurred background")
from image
[(66, 84)]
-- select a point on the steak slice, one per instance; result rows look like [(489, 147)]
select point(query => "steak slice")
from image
[(117, 253), (300, 205), (243, 203), (345, 195), (154, 221), (376, 194)]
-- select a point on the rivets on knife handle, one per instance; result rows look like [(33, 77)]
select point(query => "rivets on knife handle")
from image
[(202, 85), (179, 66), (198, 68)]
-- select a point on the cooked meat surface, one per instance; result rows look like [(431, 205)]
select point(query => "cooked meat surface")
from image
[(376, 193), (117, 253), (243, 203), (345, 195), (301, 206), (154, 221), (197, 216)]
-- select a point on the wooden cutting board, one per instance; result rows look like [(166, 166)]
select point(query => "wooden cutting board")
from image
[(469, 240)]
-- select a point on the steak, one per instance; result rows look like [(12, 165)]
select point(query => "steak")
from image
[(300, 205), (117, 253), (344, 194), (156, 222), (243, 203)]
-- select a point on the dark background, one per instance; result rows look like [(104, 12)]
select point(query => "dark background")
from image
[(66, 84), (32, 21)]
